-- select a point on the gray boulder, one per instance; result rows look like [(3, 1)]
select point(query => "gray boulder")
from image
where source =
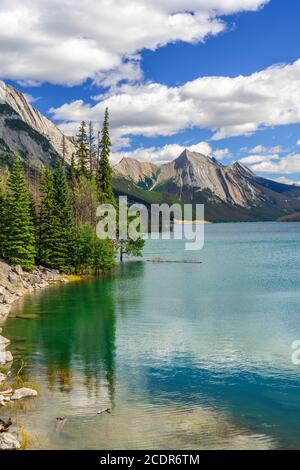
[(24, 393), (13, 278), (3, 343), (4, 310), (4, 400), (5, 357), (18, 270), (33, 279), (9, 442), (4, 340)]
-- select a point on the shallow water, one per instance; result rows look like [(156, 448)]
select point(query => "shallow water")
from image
[(185, 355)]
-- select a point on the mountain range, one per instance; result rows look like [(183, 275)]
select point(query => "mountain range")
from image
[(230, 193)]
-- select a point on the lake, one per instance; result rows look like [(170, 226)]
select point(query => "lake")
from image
[(186, 356)]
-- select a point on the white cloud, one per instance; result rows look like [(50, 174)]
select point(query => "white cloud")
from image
[(67, 42), (227, 106), (129, 70), (31, 99), (159, 155), (298, 143), (259, 149), (253, 159), (284, 165), (285, 180), (219, 154)]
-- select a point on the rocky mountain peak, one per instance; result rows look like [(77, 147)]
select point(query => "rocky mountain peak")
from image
[(142, 173), (242, 169), (194, 158), (26, 130), (198, 172)]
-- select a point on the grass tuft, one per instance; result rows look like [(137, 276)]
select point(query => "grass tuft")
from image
[(24, 439)]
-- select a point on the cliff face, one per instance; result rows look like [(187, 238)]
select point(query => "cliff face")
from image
[(194, 170), (26, 130), (141, 173)]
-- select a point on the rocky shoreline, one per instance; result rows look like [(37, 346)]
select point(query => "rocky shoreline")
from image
[(14, 284), (8, 440)]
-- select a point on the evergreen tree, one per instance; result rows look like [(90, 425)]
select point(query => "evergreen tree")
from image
[(2, 220), (131, 248), (19, 244), (82, 153), (48, 223), (104, 255), (72, 170), (85, 201), (91, 253), (83, 253), (34, 217), (104, 175), (63, 220), (92, 152), (98, 151)]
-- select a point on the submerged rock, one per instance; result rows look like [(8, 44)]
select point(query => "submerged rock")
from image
[(3, 400), (3, 343), (24, 393), (9, 356), (9, 442), (5, 357), (4, 340), (27, 317)]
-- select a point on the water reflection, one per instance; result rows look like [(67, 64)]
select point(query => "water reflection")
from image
[(188, 356), (76, 328)]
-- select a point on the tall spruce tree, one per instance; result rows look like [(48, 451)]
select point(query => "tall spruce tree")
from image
[(82, 153), (63, 220), (2, 220), (19, 243), (48, 223), (92, 149), (72, 173), (104, 174)]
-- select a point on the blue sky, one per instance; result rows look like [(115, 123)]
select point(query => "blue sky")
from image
[(147, 60)]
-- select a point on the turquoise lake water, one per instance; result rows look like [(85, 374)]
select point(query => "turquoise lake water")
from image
[(190, 356)]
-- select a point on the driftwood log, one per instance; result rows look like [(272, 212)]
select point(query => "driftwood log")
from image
[(105, 410)]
